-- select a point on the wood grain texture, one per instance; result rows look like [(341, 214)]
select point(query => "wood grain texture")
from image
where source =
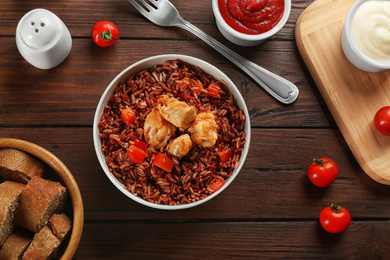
[(353, 96), (233, 240), (271, 209)]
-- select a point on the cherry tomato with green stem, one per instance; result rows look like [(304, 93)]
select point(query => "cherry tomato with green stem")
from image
[(335, 219), (382, 120), (322, 172), (105, 33)]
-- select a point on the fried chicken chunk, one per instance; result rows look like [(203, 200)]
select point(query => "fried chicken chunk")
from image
[(180, 146), (158, 131), (179, 113), (204, 130)]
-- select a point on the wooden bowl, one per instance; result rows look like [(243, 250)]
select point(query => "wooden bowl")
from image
[(75, 205)]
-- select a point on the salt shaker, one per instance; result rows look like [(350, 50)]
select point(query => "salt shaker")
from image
[(43, 39)]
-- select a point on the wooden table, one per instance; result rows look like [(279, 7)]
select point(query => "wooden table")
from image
[(270, 211)]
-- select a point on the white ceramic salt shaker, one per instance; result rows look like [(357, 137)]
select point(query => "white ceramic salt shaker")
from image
[(43, 39)]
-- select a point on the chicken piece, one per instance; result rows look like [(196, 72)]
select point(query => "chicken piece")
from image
[(204, 130), (179, 113), (157, 130), (180, 146)]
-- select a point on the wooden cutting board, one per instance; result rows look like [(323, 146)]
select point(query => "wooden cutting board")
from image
[(353, 96)]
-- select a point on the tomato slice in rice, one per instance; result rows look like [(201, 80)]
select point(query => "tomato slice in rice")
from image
[(198, 86), (128, 115), (163, 161), (225, 155), (140, 144), (216, 185), (136, 154), (214, 90)]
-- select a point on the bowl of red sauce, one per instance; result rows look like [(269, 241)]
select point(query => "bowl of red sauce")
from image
[(250, 22)]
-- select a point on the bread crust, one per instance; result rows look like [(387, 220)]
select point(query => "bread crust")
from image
[(38, 202), (60, 225), (18, 166), (44, 245), (16, 245), (10, 193)]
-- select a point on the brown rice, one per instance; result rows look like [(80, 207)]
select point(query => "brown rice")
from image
[(191, 176)]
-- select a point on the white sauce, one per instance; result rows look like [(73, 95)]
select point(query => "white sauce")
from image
[(371, 29)]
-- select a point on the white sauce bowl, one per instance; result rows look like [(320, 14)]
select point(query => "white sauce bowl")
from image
[(248, 40), (351, 50)]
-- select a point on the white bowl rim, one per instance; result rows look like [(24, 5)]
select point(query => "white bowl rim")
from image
[(348, 34), (155, 59), (250, 37)]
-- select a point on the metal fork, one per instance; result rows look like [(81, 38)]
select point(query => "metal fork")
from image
[(164, 13)]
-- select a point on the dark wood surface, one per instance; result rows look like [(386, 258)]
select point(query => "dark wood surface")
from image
[(270, 211)]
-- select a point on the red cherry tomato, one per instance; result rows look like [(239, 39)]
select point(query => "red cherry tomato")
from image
[(335, 219), (322, 172), (382, 120), (105, 33)]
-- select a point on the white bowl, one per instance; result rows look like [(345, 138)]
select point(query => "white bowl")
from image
[(247, 40), (351, 50), (146, 64), (43, 39)]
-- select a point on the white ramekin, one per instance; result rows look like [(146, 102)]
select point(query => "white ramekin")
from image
[(247, 40), (352, 52)]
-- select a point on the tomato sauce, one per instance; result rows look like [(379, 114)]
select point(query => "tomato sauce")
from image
[(251, 16)]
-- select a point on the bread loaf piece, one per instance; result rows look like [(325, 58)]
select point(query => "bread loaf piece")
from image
[(16, 245), (60, 225), (44, 245), (38, 202), (9, 200), (18, 166)]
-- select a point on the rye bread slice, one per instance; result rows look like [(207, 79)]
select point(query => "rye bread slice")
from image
[(44, 245), (9, 201), (38, 202), (16, 245), (18, 166)]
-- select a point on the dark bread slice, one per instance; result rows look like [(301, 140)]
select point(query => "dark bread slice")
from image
[(10, 193), (44, 245), (16, 245), (47, 241), (60, 225), (18, 166), (38, 202)]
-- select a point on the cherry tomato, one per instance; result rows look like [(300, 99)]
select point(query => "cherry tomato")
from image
[(105, 33), (322, 172), (335, 219), (382, 120)]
